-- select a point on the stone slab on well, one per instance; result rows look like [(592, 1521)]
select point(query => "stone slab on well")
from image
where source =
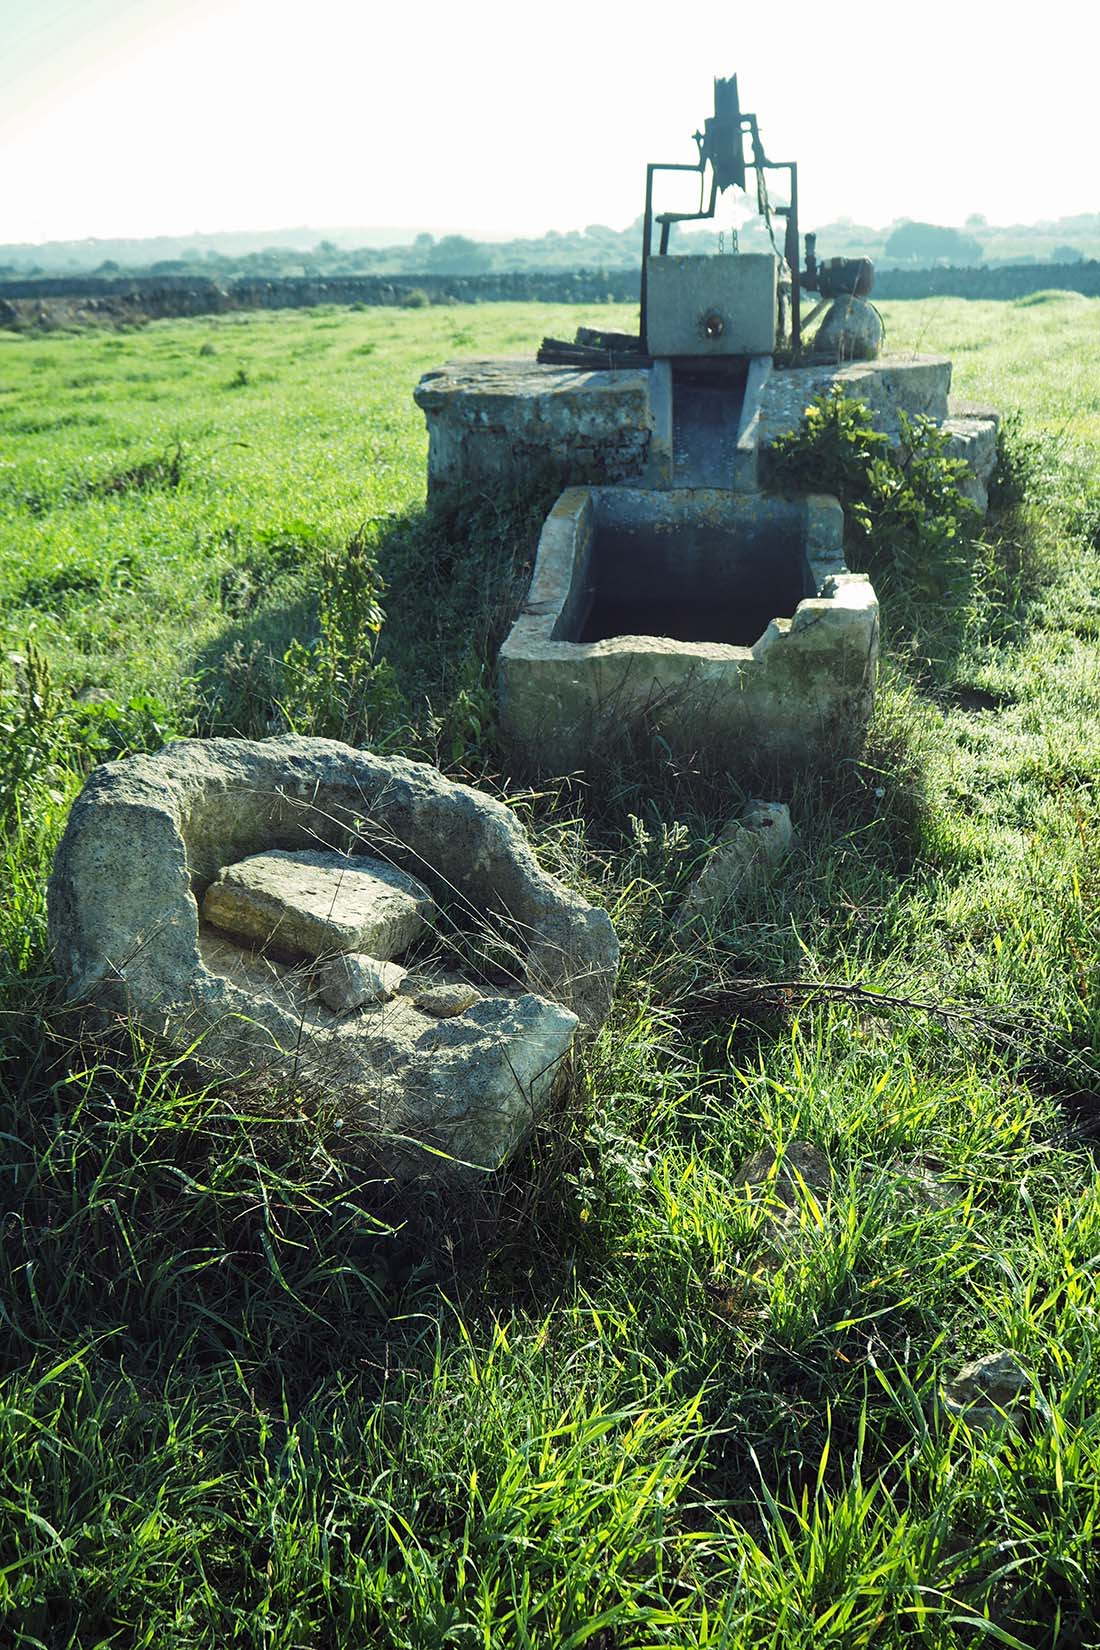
[(894, 383), (972, 436), (426, 1097), (915, 385), (310, 903), (503, 421)]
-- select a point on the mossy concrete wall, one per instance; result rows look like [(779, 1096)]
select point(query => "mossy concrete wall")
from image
[(501, 422)]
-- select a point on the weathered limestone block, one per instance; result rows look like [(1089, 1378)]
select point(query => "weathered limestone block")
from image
[(749, 851), (916, 386), (786, 1184), (447, 999), (311, 902), (501, 421), (785, 1177), (148, 835), (992, 1391), (351, 980), (851, 330), (913, 384), (972, 436)]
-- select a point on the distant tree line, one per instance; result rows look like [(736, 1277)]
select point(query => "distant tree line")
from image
[(904, 244)]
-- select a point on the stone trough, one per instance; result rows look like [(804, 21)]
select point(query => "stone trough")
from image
[(356, 932), (717, 620)]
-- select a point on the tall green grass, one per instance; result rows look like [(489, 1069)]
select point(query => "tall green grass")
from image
[(248, 1395)]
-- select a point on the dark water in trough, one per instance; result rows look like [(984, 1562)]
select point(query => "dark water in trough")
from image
[(693, 583)]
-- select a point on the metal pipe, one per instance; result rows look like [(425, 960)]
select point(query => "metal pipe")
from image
[(792, 262), (647, 233), (665, 220)]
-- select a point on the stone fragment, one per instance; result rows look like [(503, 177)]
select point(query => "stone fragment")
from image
[(783, 1184), (989, 1392), (851, 331), (447, 1000), (972, 436), (786, 1178), (747, 854), (914, 1187), (352, 980), (426, 1099), (309, 902)]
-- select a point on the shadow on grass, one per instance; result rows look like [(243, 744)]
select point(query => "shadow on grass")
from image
[(452, 580), (189, 1222)]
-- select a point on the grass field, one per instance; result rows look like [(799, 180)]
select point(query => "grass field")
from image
[(245, 1400)]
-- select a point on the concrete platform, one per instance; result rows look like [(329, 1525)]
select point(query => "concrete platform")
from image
[(500, 421)]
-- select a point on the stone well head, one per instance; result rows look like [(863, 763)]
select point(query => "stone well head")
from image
[(717, 620)]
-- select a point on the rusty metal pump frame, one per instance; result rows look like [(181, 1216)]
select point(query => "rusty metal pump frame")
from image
[(721, 146)]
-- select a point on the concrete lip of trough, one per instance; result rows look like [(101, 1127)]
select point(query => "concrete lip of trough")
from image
[(716, 620)]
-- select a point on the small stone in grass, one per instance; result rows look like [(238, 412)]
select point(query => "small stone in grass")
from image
[(988, 1392)]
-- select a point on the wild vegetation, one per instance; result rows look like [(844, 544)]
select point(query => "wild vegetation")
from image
[(248, 1398)]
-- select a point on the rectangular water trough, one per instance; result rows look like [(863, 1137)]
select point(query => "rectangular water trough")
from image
[(715, 620)]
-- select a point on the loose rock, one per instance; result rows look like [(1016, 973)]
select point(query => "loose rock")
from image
[(972, 436), (782, 1178), (783, 1184), (851, 331), (447, 1000), (915, 1187), (747, 854), (309, 902), (351, 980), (989, 1392)]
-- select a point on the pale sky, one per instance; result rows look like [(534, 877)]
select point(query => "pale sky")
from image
[(143, 117)]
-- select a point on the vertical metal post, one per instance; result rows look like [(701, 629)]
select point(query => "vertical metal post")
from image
[(647, 236), (793, 252)]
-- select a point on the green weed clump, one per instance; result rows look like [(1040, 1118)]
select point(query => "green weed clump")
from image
[(904, 511), (49, 739), (337, 687)]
